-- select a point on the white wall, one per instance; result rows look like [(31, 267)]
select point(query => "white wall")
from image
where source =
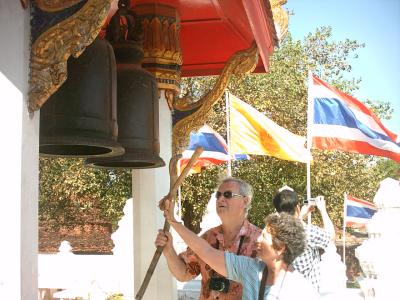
[(19, 159), (149, 186)]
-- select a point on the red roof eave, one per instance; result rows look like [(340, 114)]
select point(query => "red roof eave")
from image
[(264, 31)]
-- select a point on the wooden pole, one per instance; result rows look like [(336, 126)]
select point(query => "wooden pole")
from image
[(173, 188)]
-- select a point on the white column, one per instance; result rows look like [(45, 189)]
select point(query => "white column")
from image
[(19, 159), (149, 186)]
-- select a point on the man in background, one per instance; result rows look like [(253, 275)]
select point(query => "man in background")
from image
[(286, 200)]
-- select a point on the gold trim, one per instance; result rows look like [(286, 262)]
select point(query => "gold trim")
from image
[(281, 18), (162, 52), (55, 5), (52, 49), (241, 63)]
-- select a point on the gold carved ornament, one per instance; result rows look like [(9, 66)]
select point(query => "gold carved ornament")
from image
[(55, 5), (241, 63), (162, 52), (281, 18), (51, 50)]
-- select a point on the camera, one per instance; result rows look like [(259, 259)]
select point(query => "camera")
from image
[(311, 201), (219, 284)]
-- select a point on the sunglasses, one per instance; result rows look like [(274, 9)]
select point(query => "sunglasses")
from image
[(228, 195)]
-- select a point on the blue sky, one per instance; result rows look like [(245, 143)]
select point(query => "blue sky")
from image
[(373, 22)]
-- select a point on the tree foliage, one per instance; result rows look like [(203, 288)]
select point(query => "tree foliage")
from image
[(281, 94), (71, 193)]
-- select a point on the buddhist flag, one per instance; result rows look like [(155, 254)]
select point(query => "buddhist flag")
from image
[(251, 132), (341, 122)]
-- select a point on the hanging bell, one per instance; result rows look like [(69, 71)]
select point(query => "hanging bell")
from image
[(80, 119), (138, 122), (137, 100)]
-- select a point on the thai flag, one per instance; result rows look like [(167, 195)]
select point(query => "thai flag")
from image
[(357, 212), (215, 150), (341, 122)]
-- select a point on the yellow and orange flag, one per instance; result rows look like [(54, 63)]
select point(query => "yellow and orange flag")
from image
[(251, 132)]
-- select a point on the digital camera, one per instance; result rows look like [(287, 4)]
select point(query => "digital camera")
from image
[(312, 201), (219, 284)]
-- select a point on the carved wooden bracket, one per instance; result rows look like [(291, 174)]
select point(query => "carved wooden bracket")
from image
[(55, 5), (51, 50), (281, 18), (241, 63)]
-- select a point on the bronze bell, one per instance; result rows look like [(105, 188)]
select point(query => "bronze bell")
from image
[(80, 119), (137, 100)]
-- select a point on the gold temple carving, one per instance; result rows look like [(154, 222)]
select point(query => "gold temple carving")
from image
[(162, 52), (51, 50), (241, 63), (55, 5)]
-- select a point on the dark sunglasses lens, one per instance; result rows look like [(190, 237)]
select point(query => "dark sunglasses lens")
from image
[(228, 194)]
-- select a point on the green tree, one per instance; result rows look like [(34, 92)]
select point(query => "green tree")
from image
[(281, 94), (71, 193)]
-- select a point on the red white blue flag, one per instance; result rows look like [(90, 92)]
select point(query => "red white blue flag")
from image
[(341, 122), (215, 150), (357, 212)]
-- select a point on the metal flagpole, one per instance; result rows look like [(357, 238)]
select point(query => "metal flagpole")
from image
[(344, 228), (228, 134), (310, 112)]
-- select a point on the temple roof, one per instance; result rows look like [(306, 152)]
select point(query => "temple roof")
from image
[(213, 30)]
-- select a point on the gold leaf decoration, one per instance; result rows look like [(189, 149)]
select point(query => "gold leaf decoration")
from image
[(50, 52), (241, 63), (281, 18), (55, 5)]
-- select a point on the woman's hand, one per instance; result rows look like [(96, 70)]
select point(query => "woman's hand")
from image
[(305, 210)]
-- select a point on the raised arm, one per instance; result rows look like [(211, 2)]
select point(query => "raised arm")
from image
[(328, 225), (211, 256), (175, 264)]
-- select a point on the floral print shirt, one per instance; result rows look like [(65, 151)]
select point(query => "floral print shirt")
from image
[(215, 237)]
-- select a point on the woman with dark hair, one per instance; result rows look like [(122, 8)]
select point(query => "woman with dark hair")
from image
[(270, 275)]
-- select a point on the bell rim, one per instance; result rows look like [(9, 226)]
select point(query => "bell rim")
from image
[(112, 148), (107, 162)]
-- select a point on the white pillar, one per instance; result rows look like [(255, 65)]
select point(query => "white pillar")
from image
[(19, 159), (149, 186)]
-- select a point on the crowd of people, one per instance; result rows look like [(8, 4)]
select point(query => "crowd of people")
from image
[(237, 260)]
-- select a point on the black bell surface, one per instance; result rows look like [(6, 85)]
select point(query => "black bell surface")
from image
[(138, 121), (137, 98), (80, 119)]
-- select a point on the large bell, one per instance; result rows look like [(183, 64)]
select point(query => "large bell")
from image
[(80, 119), (138, 122), (137, 101)]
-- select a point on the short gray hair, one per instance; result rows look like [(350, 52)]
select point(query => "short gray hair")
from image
[(245, 189)]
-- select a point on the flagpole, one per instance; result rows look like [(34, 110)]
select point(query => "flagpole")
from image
[(344, 228), (228, 137), (310, 111)]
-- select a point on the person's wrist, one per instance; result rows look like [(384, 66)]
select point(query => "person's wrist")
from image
[(167, 251), (174, 222)]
